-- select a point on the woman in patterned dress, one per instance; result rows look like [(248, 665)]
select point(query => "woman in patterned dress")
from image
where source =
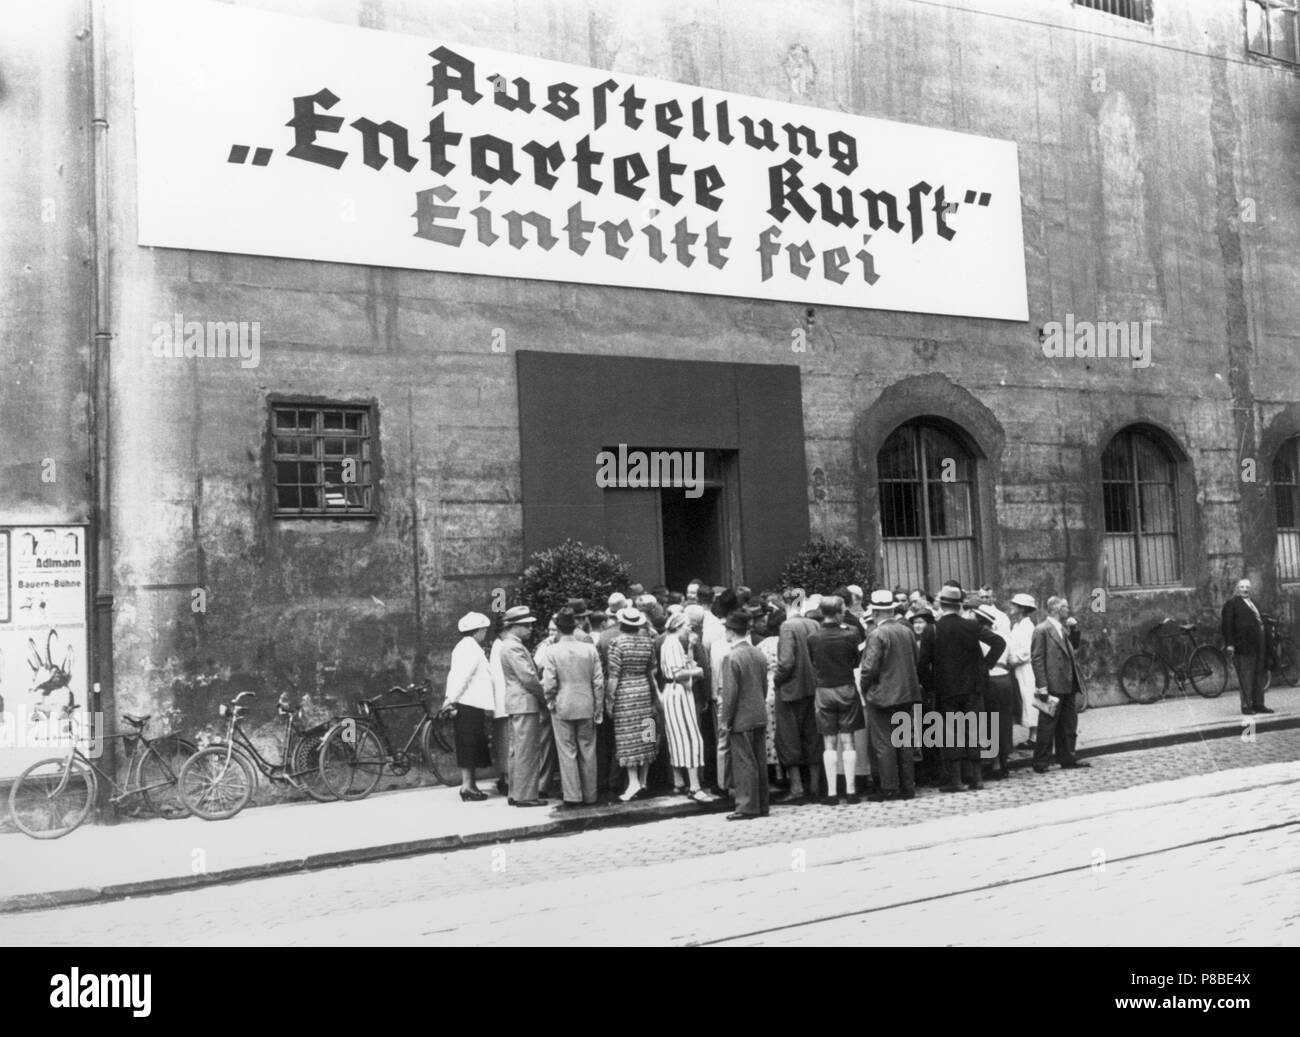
[(629, 682), (768, 646)]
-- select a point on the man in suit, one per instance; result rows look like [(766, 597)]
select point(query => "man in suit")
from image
[(526, 704), (1243, 638), (608, 772), (889, 686), (743, 715), (954, 667), (798, 744), (1051, 653), (573, 681)]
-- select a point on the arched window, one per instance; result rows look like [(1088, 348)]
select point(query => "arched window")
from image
[(927, 508), (1286, 495), (1139, 484)]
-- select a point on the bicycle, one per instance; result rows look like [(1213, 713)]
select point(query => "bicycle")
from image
[(1282, 657), (54, 797), (218, 781), (1144, 676), (357, 748)]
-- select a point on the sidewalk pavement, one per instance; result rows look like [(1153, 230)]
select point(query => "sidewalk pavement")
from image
[(137, 858)]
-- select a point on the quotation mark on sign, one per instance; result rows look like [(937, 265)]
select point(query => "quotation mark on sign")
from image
[(975, 198), (239, 155)]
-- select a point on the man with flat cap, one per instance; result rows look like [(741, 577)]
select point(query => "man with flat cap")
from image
[(743, 716), (526, 704)]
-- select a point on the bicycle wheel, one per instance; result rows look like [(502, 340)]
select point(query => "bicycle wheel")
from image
[(158, 773), (351, 765), (437, 744), (46, 806), (1288, 663), (305, 766), (1207, 669), (216, 783), (1143, 679)]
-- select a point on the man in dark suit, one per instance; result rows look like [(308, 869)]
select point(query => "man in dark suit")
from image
[(743, 715), (798, 745), (954, 666), (1243, 638), (1056, 673)]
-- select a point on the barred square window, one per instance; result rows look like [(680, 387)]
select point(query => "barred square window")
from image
[(323, 460), (1133, 10)]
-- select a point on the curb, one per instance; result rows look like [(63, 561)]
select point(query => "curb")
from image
[(599, 817)]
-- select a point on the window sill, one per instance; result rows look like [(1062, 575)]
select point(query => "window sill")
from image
[(1133, 592)]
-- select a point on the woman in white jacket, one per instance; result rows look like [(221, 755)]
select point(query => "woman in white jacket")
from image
[(469, 699), (1022, 608)]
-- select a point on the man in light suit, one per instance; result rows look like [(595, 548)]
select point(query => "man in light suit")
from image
[(574, 683), (1051, 653), (526, 704), (1243, 638)]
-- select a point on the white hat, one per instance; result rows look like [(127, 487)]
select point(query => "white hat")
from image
[(812, 604), (473, 621), (1025, 601), (854, 589)]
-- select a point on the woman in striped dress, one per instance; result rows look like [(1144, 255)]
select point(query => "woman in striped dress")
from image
[(628, 684), (681, 722)]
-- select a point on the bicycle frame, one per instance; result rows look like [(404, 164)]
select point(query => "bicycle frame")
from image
[(400, 757)]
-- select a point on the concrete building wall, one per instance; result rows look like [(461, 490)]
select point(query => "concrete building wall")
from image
[(1138, 147)]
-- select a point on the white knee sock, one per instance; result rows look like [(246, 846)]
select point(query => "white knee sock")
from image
[(830, 759), (850, 771)]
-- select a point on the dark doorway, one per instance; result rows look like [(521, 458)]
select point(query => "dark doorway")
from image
[(692, 532)]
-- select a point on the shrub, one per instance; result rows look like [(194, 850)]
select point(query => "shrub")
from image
[(822, 565), (572, 570)]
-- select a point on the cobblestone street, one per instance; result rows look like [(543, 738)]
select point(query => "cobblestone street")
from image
[(980, 867)]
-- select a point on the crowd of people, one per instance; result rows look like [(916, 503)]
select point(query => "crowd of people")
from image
[(719, 692)]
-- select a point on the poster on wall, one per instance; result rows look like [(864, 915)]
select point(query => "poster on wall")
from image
[(273, 135), (43, 643)]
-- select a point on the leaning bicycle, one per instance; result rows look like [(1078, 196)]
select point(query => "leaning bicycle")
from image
[(1173, 652), (1282, 656), (54, 797), (218, 781), (358, 749)]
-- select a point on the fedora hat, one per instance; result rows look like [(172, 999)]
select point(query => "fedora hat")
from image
[(738, 621), (631, 617), (986, 614), (517, 616), (473, 621), (882, 599), (579, 606), (950, 595), (1025, 601), (923, 612)]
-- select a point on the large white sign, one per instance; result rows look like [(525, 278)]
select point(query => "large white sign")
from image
[(280, 136)]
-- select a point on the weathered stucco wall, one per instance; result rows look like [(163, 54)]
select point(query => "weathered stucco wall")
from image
[(1132, 196)]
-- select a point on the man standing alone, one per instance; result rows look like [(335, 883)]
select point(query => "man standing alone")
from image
[(1243, 638), (1056, 674)]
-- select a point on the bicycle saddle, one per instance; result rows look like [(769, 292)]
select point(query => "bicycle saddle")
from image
[(136, 721), (1186, 626)]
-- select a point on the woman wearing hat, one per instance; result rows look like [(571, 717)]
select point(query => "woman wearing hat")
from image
[(628, 685), (1023, 606), (470, 699), (681, 722)]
